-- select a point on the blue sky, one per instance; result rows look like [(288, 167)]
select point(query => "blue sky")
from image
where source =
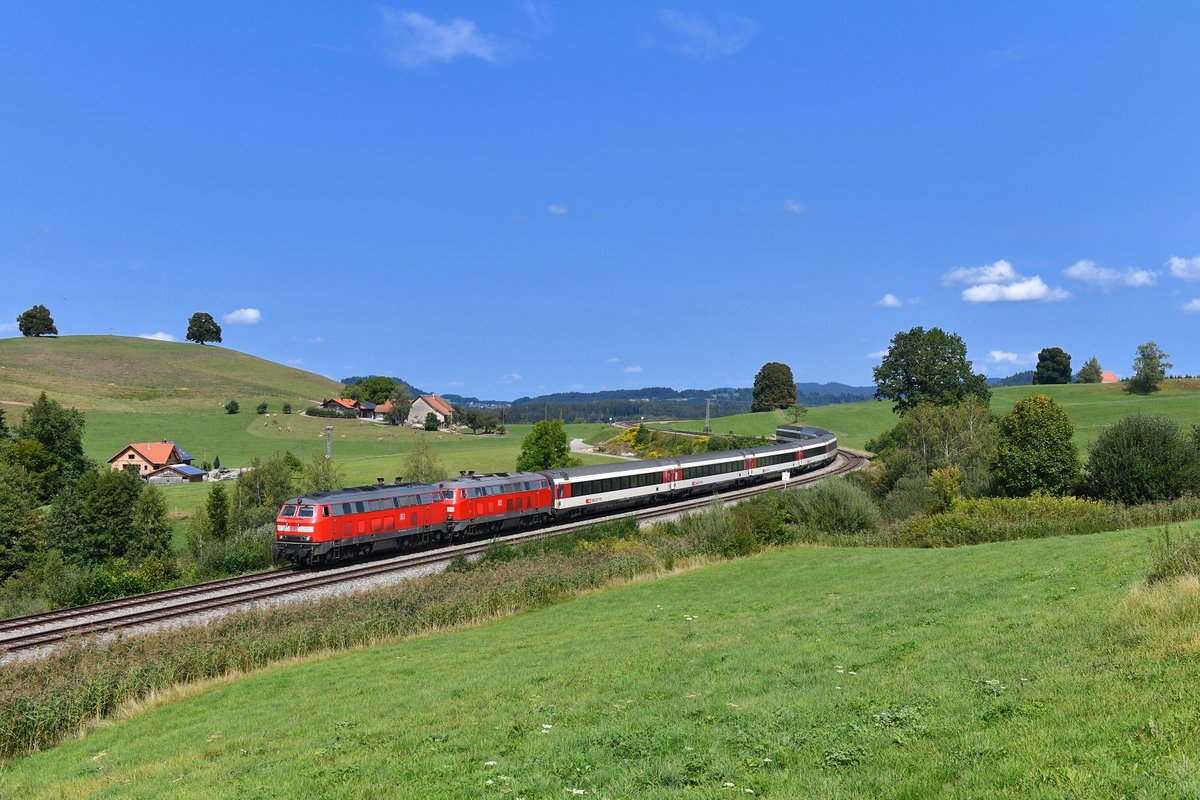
[(508, 198)]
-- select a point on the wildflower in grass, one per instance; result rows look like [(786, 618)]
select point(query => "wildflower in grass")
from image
[(766, 761), (578, 791), (489, 763), (728, 784), (852, 672), (547, 728), (488, 782), (748, 791)]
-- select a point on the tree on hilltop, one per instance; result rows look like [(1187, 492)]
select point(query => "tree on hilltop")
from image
[(375, 389), (927, 366), (1090, 372), (1054, 366), (37, 321), (202, 328), (1149, 368), (774, 387)]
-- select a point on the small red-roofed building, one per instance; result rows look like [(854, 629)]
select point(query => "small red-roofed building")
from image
[(343, 404), (145, 458), (1108, 376)]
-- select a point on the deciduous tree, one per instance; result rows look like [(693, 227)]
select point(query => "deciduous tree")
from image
[(60, 432), (217, 509), (1149, 368), (20, 522), (401, 400), (150, 533), (1090, 371), (431, 421), (1141, 459), (774, 387), (36, 321), (1054, 366), (259, 491), (375, 389), (546, 447), (321, 475), (203, 328), (421, 465), (90, 520), (1035, 451), (927, 367)]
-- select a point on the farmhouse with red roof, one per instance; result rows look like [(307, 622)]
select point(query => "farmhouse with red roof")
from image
[(149, 458), (429, 404)]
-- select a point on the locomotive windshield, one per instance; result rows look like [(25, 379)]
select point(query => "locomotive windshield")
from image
[(306, 511), (448, 494), (288, 511)]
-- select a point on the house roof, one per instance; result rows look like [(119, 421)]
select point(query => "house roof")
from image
[(342, 401), (438, 404), (367, 405), (157, 453), (186, 470), (1109, 377), (383, 408)]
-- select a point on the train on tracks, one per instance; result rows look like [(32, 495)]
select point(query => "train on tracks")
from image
[(326, 527)]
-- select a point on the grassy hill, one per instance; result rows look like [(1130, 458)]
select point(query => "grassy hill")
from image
[(124, 374), (1022, 669), (138, 390), (1090, 406)]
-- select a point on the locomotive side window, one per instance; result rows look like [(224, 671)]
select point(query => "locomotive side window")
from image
[(360, 506), (448, 494), (288, 511)]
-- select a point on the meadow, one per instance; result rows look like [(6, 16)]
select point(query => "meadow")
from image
[(1091, 408), (1038, 668)]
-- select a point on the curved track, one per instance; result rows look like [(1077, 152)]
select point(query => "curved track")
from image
[(40, 631)]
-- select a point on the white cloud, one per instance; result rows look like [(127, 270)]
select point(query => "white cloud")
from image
[(295, 362), (243, 316), (158, 336), (557, 208), (632, 369), (612, 360), (415, 40), (576, 387), (312, 340), (511, 377), (1000, 272), (5, 327), (1194, 305), (704, 39), (1187, 269), (889, 300), (1032, 289), (792, 207), (1105, 278), (1003, 357), (877, 354)]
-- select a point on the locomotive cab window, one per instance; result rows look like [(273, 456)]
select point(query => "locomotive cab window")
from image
[(306, 511), (288, 511)]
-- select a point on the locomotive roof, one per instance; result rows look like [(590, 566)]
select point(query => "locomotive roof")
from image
[(491, 479), (352, 493)]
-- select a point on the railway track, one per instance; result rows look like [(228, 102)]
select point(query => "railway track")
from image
[(35, 632)]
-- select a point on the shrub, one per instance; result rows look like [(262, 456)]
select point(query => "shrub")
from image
[(1141, 459), (261, 408), (833, 506), (910, 495), (998, 519), (287, 408), (245, 551), (1173, 558), (232, 407), (1035, 452)]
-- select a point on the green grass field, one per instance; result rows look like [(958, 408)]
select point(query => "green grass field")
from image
[(1091, 407), (1023, 669)]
